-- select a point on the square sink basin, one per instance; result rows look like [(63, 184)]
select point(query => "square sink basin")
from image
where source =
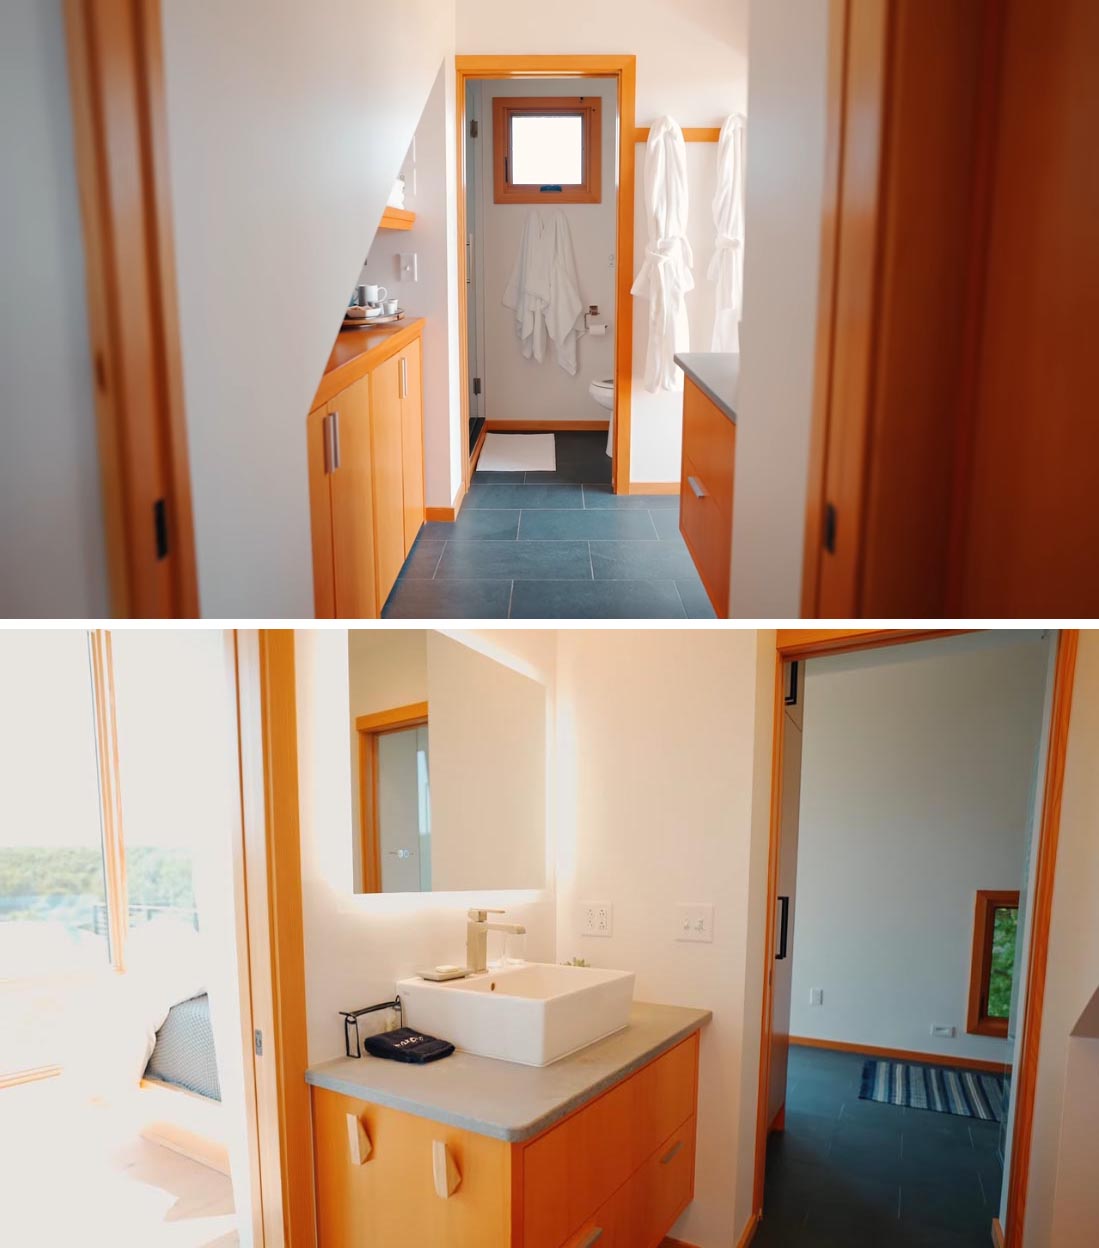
[(533, 1012)]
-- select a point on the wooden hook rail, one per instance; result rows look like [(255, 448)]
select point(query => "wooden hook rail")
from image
[(691, 134)]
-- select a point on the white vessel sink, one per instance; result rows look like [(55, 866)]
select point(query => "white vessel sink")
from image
[(533, 1013)]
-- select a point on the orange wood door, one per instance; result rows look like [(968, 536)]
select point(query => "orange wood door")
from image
[(387, 426), (786, 887), (412, 440), (1030, 519), (391, 1198), (320, 515), (351, 481)]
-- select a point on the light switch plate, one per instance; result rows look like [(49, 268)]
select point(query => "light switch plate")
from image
[(816, 996), (410, 269), (943, 1031), (694, 921), (596, 918)]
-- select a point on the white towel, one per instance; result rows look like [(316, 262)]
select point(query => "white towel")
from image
[(544, 290), (665, 275), (727, 266)]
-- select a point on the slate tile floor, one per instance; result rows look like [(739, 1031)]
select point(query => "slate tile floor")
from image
[(553, 545), (848, 1173)]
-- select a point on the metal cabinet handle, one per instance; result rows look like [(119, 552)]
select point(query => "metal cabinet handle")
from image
[(404, 376), (335, 457), (783, 927), (697, 486), (593, 1238), (671, 1152)]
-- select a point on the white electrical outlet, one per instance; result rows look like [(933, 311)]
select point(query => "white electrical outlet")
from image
[(694, 921), (409, 266), (596, 918), (816, 996), (944, 1031)]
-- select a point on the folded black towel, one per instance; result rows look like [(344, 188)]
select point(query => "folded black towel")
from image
[(406, 1045)]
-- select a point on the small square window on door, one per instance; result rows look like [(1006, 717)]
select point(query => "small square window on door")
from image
[(547, 150)]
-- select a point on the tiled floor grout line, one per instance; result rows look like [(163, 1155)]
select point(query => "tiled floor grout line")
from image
[(438, 561), (511, 596), (687, 617), (591, 566)]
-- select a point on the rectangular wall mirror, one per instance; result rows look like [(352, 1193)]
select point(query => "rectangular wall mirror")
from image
[(448, 766)]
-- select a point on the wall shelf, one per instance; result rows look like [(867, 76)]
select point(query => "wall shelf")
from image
[(397, 219)]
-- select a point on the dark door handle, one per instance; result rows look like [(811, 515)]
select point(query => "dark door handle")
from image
[(783, 928)]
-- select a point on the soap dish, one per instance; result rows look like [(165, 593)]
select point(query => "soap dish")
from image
[(438, 974)]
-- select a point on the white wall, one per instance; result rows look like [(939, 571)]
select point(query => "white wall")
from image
[(516, 388), (434, 295), (917, 771), (357, 946), (656, 788), (280, 169), (1061, 1208), (788, 50), (52, 561), (692, 63)]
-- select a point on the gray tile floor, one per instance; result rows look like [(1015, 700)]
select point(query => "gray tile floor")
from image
[(553, 545), (848, 1173)]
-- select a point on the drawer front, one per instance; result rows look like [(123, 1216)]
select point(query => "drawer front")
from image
[(668, 1184), (708, 532), (709, 442), (573, 1171)]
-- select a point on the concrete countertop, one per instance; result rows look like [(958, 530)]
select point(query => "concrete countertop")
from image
[(503, 1099), (717, 375)]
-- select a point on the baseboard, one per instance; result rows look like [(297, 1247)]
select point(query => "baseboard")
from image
[(668, 1242), (653, 487), (904, 1055), (997, 1233), (447, 514), (748, 1234), (547, 426)]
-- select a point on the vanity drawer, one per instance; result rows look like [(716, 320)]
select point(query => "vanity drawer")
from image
[(708, 532), (666, 1185), (709, 441), (576, 1167)]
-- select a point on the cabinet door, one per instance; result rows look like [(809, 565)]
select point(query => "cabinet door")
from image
[(352, 512), (387, 426), (320, 516), (412, 441)]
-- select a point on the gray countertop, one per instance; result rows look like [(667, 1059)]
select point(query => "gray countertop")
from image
[(503, 1099), (717, 375)]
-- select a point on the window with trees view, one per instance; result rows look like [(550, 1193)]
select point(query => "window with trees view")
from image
[(992, 967)]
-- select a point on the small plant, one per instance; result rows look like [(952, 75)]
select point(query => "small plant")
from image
[(576, 962)]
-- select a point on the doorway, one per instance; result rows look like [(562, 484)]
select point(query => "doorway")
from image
[(912, 819), (537, 85)]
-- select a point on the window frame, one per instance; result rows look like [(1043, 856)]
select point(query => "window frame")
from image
[(590, 110), (978, 1021)]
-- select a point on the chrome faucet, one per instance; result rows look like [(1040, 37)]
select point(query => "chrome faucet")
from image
[(477, 930)]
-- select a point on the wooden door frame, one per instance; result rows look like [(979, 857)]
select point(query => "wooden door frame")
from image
[(369, 728), (272, 884), (116, 76), (809, 643), (624, 70)]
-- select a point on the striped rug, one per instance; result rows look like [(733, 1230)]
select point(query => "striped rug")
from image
[(967, 1093)]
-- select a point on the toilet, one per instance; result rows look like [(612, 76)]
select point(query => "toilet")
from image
[(603, 392)]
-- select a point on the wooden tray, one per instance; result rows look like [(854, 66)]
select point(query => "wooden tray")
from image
[(368, 322)]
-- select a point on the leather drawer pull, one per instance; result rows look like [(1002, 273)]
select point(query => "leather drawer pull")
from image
[(671, 1152), (593, 1238), (697, 486)]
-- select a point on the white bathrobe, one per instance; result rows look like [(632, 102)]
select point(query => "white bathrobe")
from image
[(665, 275), (544, 291), (727, 266)]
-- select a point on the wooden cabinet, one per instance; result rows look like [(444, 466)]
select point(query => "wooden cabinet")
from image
[(618, 1171), (706, 492), (366, 480)]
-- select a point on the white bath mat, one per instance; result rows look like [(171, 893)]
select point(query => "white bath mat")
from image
[(518, 452)]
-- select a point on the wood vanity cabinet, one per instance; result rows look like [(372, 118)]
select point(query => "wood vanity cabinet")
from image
[(366, 481), (618, 1171), (706, 492)]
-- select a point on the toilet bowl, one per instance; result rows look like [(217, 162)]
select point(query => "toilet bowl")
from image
[(603, 393)]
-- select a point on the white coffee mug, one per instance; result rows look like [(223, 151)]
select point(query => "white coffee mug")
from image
[(375, 294), (389, 307)]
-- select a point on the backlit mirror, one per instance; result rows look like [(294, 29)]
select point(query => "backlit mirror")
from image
[(448, 766)]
